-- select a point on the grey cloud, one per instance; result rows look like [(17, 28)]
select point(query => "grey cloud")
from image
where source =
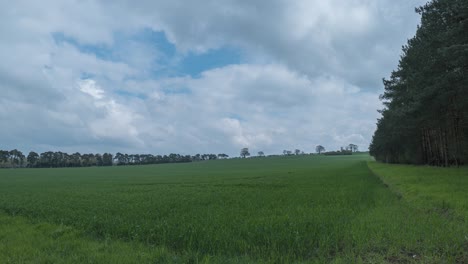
[(355, 40)]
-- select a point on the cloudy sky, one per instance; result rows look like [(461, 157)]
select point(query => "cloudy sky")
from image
[(211, 76)]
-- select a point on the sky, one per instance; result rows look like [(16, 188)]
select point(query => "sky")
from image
[(189, 77)]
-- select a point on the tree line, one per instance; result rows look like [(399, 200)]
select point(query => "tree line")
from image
[(425, 118), (50, 159), (348, 150)]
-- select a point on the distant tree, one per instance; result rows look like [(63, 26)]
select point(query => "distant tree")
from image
[(99, 160), (244, 152), (352, 148), (146, 159), (13, 157), (46, 159), (65, 160), (297, 151), (187, 158), (261, 154), (339, 152), (107, 159), (319, 149), (4, 156), (87, 160), (120, 158), (16, 158), (222, 156), (59, 159), (130, 158), (75, 159), (197, 157), (22, 158), (32, 159)]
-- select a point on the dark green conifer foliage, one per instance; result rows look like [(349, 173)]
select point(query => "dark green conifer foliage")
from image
[(425, 120)]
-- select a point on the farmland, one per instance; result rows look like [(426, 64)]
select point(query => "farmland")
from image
[(304, 209)]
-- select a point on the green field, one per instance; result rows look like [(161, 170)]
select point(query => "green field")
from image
[(305, 209)]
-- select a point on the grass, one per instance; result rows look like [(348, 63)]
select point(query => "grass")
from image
[(24, 242), (306, 209), (433, 188)]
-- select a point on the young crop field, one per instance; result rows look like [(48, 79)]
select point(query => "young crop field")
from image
[(299, 209)]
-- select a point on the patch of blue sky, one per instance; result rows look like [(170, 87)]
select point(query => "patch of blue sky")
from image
[(101, 51), (167, 63), (194, 64), (158, 39), (119, 50), (174, 64)]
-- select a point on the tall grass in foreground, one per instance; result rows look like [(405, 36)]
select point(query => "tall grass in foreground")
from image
[(283, 209)]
